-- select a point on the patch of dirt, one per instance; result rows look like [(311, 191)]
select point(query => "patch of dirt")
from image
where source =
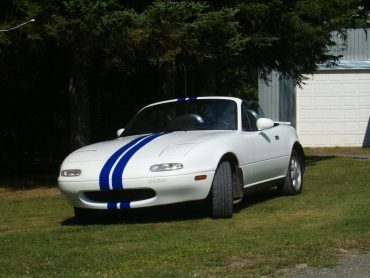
[(27, 194), (241, 263), (351, 265)]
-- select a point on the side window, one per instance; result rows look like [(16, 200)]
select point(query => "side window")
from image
[(246, 125), (252, 120)]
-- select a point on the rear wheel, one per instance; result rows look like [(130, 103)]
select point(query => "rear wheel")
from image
[(222, 191), (293, 182)]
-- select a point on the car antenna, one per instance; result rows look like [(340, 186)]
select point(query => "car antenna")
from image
[(185, 87)]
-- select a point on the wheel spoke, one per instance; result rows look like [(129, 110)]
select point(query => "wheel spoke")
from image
[(294, 178), (295, 173)]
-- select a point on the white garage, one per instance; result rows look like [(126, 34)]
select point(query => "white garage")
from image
[(333, 109)]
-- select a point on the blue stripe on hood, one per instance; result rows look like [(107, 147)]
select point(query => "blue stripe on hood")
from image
[(120, 167), (104, 173)]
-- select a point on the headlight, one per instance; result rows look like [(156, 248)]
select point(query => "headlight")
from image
[(71, 173), (166, 167)]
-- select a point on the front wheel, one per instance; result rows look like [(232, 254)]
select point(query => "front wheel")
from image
[(293, 182), (222, 191)]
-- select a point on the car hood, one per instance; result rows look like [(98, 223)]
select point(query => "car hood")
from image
[(177, 143)]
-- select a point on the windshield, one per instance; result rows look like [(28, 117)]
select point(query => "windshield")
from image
[(199, 114)]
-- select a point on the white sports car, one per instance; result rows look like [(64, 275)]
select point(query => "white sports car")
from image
[(215, 148)]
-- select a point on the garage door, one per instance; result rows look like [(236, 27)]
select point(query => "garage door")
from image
[(333, 109)]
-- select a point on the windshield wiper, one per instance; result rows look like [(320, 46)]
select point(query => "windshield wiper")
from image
[(175, 129), (155, 131)]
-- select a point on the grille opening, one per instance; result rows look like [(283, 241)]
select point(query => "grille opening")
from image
[(125, 195)]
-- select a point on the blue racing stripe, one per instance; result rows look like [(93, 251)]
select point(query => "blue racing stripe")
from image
[(120, 167), (124, 205), (185, 99), (112, 205), (104, 173)]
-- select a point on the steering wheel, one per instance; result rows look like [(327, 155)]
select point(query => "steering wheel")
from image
[(187, 121)]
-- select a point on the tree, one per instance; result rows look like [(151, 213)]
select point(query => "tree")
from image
[(293, 37), (82, 32), (223, 45), (191, 35)]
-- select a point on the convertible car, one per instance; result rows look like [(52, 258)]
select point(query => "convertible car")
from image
[(198, 148)]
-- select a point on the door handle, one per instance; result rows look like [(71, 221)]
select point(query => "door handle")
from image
[(277, 137)]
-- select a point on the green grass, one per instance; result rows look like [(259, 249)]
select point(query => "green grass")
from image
[(39, 237), (338, 151)]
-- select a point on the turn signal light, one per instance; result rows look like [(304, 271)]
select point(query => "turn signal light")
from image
[(200, 177)]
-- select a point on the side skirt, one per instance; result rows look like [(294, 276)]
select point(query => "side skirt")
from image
[(256, 187)]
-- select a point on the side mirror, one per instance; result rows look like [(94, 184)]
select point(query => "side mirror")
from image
[(120, 131), (264, 123)]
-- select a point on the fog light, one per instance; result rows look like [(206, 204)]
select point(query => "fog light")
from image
[(70, 173)]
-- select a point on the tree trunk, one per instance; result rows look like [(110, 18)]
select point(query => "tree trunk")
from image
[(79, 108), (210, 80), (169, 80)]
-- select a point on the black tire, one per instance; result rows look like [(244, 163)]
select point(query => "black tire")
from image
[(222, 191), (293, 182)]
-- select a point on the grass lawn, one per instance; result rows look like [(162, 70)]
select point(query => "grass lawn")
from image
[(39, 237)]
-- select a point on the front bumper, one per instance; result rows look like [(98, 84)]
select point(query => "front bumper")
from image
[(168, 190)]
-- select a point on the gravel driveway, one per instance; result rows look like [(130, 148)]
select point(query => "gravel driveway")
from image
[(353, 266)]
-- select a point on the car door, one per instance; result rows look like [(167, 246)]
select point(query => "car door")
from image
[(262, 147)]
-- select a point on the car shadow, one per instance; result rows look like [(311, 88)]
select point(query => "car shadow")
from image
[(168, 213), (311, 160), (258, 197)]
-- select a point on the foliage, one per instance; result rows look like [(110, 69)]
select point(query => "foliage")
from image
[(192, 35), (293, 37), (85, 30), (102, 53), (289, 36)]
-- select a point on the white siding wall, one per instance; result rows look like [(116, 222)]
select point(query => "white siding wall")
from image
[(333, 109)]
